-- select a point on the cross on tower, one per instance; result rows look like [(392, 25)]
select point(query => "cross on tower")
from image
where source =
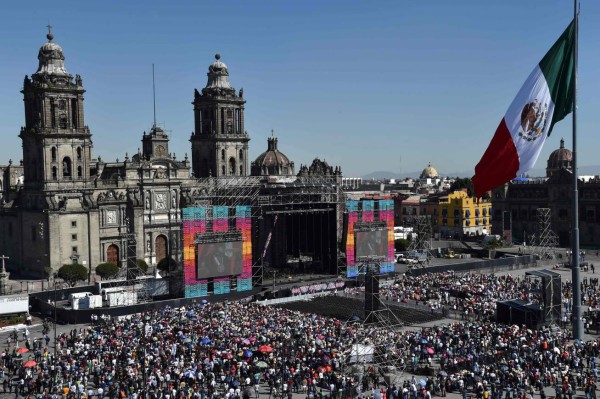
[(49, 28), (3, 259)]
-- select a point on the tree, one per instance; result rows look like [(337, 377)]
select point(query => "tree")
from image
[(167, 265), (107, 270), (72, 273), (493, 243), (466, 183), (142, 265), (460, 184)]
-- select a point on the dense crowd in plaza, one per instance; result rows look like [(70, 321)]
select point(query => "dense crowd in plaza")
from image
[(473, 295), (227, 350), (239, 350)]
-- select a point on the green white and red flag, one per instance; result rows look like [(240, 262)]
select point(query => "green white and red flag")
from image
[(545, 98)]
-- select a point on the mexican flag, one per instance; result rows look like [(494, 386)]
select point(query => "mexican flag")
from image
[(545, 98)]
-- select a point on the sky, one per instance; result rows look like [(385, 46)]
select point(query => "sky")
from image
[(369, 86)]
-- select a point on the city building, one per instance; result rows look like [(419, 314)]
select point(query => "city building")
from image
[(460, 215), (522, 197), (62, 205)]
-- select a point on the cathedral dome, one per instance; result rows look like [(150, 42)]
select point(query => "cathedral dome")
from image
[(51, 59), (429, 172), (561, 155), (272, 161), (562, 158)]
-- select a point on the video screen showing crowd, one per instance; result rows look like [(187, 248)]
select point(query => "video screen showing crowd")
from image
[(372, 243), (218, 259)]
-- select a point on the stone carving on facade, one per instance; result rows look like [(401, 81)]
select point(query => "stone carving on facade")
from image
[(88, 201), (186, 197), (133, 197), (160, 173), (111, 196), (111, 217), (62, 204), (52, 203), (160, 201)]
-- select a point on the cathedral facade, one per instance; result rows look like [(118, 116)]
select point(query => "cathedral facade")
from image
[(62, 205)]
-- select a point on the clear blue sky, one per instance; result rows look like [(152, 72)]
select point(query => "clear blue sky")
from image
[(384, 85)]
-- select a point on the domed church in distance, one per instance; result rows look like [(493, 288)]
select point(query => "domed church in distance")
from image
[(272, 162)]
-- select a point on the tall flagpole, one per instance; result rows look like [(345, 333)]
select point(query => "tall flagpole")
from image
[(577, 316)]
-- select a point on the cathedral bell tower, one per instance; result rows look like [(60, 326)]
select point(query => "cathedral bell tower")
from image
[(56, 142), (219, 141)]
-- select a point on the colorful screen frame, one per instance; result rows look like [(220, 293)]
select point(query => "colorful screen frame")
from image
[(195, 222), (365, 211)]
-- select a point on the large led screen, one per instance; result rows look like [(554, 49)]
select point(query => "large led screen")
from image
[(219, 259), (371, 243)]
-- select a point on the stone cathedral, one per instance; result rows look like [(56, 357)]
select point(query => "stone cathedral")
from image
[(62, 205)]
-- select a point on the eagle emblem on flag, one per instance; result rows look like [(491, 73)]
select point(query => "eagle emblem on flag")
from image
[(533, 120)]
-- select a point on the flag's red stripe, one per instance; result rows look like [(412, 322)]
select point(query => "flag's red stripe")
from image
[(499, 164)]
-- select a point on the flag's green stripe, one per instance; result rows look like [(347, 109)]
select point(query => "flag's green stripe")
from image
[(557, 67)]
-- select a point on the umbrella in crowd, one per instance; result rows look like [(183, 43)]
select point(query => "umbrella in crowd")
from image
[(265, 349), (22, 350), (261, 364), (29, 363)]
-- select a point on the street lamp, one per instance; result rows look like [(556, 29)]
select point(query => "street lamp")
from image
[(143, 358), (55, 319), (56, 284)]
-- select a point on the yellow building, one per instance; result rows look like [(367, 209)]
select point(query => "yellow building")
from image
[(460, 215)]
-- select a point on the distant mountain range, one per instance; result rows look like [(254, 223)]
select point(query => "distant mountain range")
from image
[(586, 170)]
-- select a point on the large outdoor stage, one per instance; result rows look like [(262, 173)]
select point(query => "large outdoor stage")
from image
[(240, 231), (266, 227)]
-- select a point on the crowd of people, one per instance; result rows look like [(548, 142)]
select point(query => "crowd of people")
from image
[(225, 350), (470, 295), (229, 350), (238, 350)]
